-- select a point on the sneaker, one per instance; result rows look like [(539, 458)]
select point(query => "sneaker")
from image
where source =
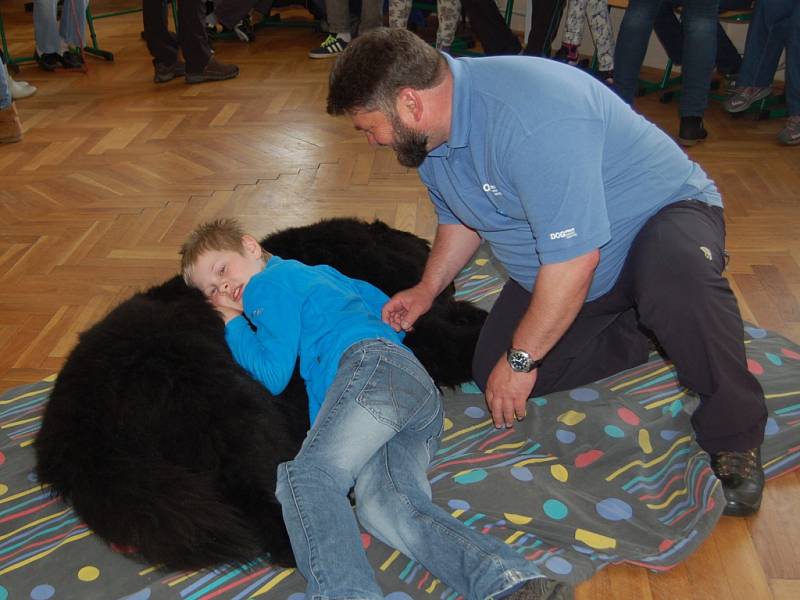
[(49, 61), (214, 71), (20, 89), (568, 53), (743, 98), (540, 588), (742, 480), (790, 134), (165, 73), (332, 46), (243, 30), (72, 60), (691, 131)]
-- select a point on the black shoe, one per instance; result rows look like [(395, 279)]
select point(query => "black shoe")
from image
[(71, 60), (49, 61), (243, 30), (541, 588), (165, 73), (214, 71), (742, 480), (691, 131)]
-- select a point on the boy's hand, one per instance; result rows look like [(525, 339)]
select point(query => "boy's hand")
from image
[(226, 312)]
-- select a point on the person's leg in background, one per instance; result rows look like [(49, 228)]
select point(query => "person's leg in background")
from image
[(339, 34), (545, 17), (790, 134), (767, 36), (449, 13), (45, 32), (161, 42), (632, 40), (371, 15), (399, 11), (490, 28), (72, 30), (201, 65), (603, 36), (573, 32), (10, 125), (234, 16), (700, 19)]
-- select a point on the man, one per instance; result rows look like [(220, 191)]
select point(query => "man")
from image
[(604, 225)]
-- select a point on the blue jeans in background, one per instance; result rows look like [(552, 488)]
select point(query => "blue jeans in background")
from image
[(378, 429), (49, 33), (775, 26), (5, 93), (699, 22)]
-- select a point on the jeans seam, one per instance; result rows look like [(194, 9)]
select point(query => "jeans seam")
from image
[(306, 534)]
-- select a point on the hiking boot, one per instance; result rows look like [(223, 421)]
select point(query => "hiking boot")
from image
[(165, 73), (71, 60), (743, 98), (332, 47), (10, 125), (691, 131), (540, 588), (214, 71), (790, 134), (49, 61), (742, 480)]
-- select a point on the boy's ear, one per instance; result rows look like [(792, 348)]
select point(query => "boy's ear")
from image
[(251, 245)]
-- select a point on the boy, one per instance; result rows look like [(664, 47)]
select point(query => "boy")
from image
[(376, 418)]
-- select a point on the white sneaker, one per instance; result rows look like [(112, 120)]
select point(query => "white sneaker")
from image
[(20, 89)]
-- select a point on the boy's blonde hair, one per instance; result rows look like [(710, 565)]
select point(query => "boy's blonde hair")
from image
[(220, 235)]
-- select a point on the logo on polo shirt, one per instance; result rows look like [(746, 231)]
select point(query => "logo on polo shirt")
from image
[(490, 189), (563, 235)]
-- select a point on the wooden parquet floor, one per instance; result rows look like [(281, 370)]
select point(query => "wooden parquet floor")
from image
[(114, 171)]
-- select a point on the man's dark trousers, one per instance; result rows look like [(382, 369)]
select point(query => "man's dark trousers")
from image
[(671, 287), (192, 37)]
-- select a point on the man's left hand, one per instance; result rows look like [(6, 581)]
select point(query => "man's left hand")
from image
[(507, 393)]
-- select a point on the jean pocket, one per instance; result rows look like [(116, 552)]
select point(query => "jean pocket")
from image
[(396, 393)]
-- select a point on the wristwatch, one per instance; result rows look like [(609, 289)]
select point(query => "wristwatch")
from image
[(522, 361)]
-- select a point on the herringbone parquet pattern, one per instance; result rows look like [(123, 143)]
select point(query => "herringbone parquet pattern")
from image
[(114, 171)]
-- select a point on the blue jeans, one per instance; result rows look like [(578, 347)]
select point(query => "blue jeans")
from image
[(71, 29), (5, 93), (775, 25), (699, 21), (378, 429)]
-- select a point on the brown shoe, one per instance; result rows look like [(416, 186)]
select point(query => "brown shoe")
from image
[(214, 71), (165, 73), (10, 125)]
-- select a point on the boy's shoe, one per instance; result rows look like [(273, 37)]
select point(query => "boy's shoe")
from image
[(742, 478), (691, 131), (790, 134), (541, 588), (744, 97), (214, 71), (49, 61), (20, 89), (165, 73), (332, 47), (71, 60), (10, 125)]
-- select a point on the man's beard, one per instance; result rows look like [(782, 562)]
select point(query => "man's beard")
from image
[(411, 147)]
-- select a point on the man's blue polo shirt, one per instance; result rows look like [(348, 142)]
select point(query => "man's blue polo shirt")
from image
[(546, 164)]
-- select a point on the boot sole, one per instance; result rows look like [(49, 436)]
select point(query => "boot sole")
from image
[(205, 78)]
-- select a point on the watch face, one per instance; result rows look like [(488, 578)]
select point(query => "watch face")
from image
[(520, 360)]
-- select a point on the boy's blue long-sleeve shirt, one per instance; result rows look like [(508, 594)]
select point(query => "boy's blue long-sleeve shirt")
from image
[(314, 313)]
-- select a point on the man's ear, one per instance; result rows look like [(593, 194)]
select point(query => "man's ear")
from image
[(251, 245), (409, 103)]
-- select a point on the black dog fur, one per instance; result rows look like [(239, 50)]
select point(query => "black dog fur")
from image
[(168, 449)]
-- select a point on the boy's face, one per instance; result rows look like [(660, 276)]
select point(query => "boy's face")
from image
[(223, 274)]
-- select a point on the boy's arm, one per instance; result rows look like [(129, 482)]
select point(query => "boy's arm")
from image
[(270, 353)]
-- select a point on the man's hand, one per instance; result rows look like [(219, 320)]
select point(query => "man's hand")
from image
[(507, 393), (405, 307)]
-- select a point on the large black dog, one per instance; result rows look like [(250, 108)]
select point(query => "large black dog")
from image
[(168, 449)]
